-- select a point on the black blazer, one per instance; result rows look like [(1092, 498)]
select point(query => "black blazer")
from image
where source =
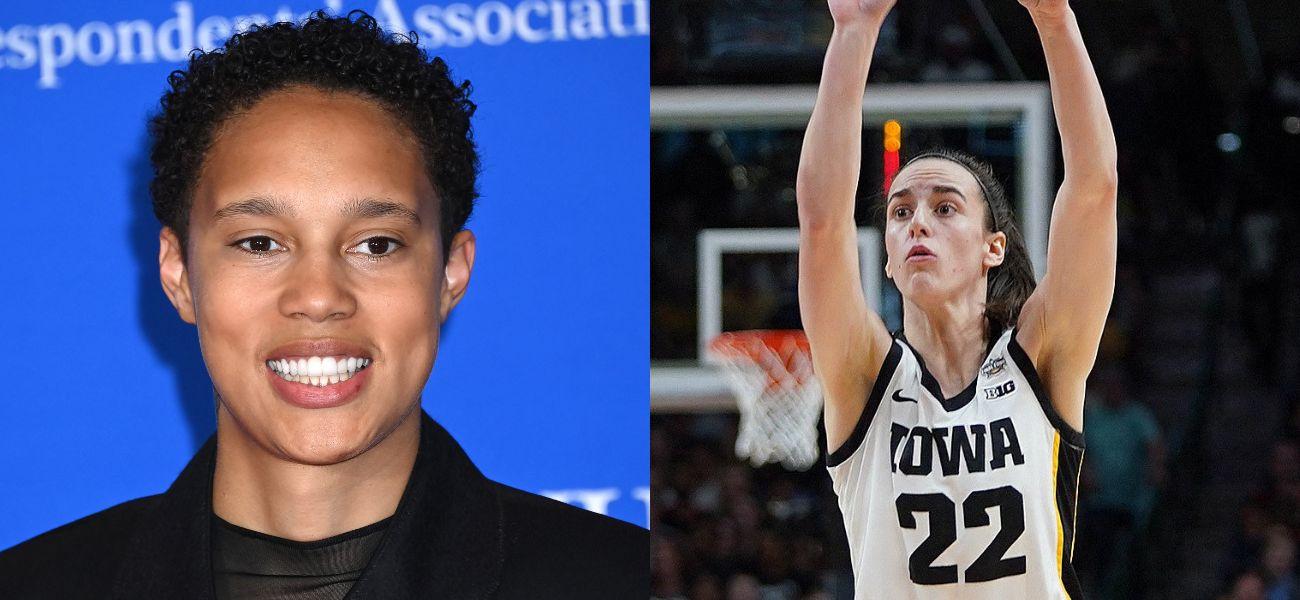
[(456, 534)]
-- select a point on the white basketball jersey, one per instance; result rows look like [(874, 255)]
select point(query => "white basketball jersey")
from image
[(970, 497)]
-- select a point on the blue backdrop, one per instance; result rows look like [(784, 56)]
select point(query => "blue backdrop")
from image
[(542, 371)]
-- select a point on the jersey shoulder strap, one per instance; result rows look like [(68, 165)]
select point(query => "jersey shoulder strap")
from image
[(1026, 367), (878, 389)]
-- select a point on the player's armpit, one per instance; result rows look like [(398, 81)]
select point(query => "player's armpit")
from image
[(848, 340)]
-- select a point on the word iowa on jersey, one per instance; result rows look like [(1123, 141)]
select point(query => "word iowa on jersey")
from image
[(970, 497)]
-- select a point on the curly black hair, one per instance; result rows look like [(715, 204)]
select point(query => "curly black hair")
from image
[(331, 54)]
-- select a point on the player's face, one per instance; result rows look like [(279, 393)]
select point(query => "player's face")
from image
[(314, 233), (935, 238)]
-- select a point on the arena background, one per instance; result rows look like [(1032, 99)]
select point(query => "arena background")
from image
[(1191, 484), (541, 371)]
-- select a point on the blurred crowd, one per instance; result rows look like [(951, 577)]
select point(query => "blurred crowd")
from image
[(1261, 564), (722, 529)]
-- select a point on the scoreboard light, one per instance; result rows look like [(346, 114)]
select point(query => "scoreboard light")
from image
[(893, 141)]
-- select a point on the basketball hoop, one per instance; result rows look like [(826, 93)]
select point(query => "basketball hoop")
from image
[(778, 396)]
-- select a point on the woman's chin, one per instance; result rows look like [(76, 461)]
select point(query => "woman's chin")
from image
[(316, 437), (322, 450), (319, 440), (922, 285), (923, 289)]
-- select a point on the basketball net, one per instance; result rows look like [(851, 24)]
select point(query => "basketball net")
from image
[(779, 398)]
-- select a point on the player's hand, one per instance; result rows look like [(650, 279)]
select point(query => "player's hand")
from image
[(1046, 9), (849, 12)]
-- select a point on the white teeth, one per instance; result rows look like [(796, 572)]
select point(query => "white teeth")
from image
[(318, 370)]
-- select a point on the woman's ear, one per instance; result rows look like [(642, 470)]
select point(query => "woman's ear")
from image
[(174, 274), (460, 263), (996, 250)]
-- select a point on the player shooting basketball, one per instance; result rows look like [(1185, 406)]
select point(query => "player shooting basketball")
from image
[(956, 447)]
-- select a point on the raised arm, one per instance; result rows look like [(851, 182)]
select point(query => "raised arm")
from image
[(1062, 321), (848, 340)]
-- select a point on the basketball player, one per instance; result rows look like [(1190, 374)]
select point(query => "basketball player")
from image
[(955, 444), (313, 182)]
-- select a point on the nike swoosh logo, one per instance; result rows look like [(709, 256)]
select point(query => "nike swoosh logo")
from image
[(899, 397)]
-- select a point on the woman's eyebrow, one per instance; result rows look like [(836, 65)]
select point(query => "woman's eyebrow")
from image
[(361, 208), (374, 208), (941, 189), (257, 206)]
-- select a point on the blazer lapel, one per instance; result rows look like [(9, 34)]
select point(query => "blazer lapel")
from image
[(170, 554), (446, 539)]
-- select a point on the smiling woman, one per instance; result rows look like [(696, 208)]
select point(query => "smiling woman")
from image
[(257, 274), (313, 182)]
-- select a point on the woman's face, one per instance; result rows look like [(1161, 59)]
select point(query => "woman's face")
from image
[(935, 239), (314, 232)]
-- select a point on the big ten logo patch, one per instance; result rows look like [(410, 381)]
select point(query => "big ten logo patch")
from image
[(998, 391)]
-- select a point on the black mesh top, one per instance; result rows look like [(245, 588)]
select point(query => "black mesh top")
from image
[(249, 564)]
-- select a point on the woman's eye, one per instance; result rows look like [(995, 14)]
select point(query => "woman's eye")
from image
[(378, 246), (946, 209), (259, 244), (900, 212)]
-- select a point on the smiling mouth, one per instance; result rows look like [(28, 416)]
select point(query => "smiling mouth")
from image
[(318, 371)]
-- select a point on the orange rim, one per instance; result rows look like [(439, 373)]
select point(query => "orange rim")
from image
[(753, 346)]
